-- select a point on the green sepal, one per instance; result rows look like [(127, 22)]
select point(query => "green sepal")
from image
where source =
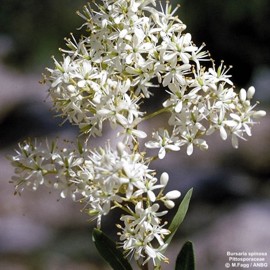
[(179, 216), (80, 147), (107, 249), (185, 259)]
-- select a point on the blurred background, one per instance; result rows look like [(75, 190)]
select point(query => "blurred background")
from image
[(230, 206)]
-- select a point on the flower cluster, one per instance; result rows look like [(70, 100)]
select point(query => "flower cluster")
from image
[(105, 76), (103, 179)]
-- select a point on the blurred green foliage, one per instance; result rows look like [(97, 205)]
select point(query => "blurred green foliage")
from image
[(236, 31), (37, 28)]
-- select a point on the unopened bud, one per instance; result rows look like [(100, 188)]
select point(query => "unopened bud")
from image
[(164, 179), (243, 95), (120, 148), (250, 92), (174, 194), (169, 204), (259, 114)]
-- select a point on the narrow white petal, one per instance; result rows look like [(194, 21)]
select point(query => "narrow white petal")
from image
[(189, 149), (151, 195), (223, 133), (161, 153)]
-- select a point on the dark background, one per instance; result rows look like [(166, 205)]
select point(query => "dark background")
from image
[(230, 205)]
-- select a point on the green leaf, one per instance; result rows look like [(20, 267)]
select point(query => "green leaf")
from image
[(179, 216), (107, 249), (185, 259)]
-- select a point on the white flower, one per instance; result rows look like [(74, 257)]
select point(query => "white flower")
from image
[(190, 138), (137, 47), (148, 187), (140, 231), (178, 48), (218, 122), (220, 75), (131, 133), (164, 141)]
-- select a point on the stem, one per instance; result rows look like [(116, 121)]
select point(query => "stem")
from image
[(142, 267), (151, 115), (145, 266), (125, 209)]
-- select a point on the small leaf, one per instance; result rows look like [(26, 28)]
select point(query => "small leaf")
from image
[(107, 249), (179, 216), (185, 259)]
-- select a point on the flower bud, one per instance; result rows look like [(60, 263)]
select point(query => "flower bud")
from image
[(250, 92), (71, 88), (259, 114), (120, 148), (169, 204), (174, 194), (164, 178), (243, 95)]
